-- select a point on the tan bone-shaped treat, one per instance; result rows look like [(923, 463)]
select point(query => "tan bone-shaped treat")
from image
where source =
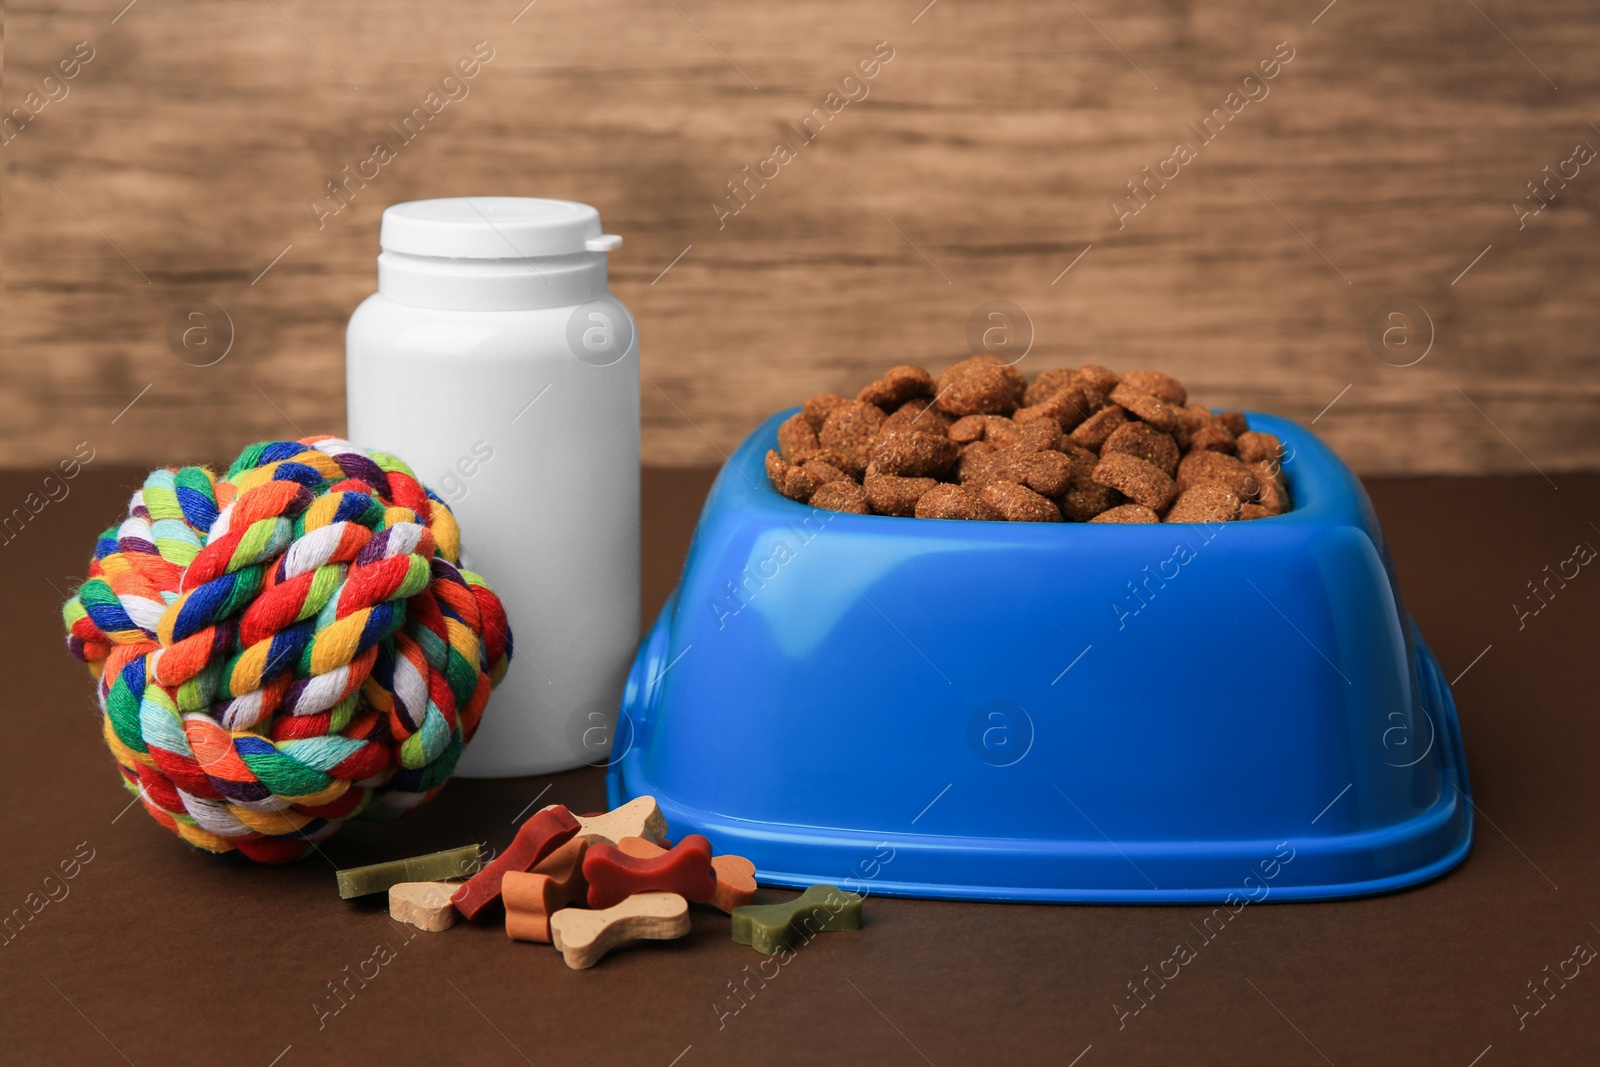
[(639, 817), (583, 936), (425, 905)]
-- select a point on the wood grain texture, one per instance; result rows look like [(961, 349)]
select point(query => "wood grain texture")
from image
[(1386, 156)]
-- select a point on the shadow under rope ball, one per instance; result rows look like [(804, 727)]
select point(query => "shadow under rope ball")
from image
[(287, 647)]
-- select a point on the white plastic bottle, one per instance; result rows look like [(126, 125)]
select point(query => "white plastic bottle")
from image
[(494, 360)]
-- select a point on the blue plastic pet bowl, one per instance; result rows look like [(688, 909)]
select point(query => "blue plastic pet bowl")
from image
[(1050, 712)]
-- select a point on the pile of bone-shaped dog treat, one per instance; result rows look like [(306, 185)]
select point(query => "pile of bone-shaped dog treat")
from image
[(587, 884), (980, 441)]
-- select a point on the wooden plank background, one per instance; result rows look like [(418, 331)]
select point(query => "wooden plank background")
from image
[(184, 157)]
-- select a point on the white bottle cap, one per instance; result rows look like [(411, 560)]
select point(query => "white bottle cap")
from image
[(493, 227)]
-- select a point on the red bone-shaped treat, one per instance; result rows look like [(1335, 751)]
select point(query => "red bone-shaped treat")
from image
[(536, 839), (614, 876)]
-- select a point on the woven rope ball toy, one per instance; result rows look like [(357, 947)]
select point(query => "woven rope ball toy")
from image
[(288, 647)]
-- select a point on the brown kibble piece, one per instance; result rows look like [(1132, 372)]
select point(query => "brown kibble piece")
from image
[(1274, 491), (1083, 460), (952, 502), (1253, 511), (1085, 498), (982, 463), (1032, 436), (823, 472), (890, 494), (968, 428), (918, 414), (979, 467), (1046, 412), (1083, 503), (1235, 422), (1127, 513), (793, 482), (1048, 472), (799, 484), (1208, 502), (1271, 506), (1164, 386), (1000, 431), (796, 435), (1190, 419), (1200, 468), (1009, 369), (1038, 435), (1142, 405), (841, 496), (1140, 481), (981, 385), (1146, 442), (816, 409), (913, 454), (1212, 437), (1100, 379), (1048, 384), (850, 430), (826, 455), (1017, 503), (1094, 430), (777, 467), (897, 385), (1259, 447), (1068, 408)]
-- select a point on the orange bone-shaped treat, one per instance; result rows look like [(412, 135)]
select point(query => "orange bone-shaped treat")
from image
[(736, 883), (532, 897)]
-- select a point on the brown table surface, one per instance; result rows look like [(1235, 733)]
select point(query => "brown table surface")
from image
[(157, 954)]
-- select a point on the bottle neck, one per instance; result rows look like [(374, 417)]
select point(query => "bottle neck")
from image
[(491, 284)]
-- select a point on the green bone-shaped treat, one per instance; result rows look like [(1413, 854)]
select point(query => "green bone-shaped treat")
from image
[(434, 867), (770, 928)]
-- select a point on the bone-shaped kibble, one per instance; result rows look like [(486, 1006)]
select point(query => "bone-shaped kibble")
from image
[(425, 905), (584, 936), (613, 875), (639, 817), (770, 928), (536, 839), (532, 897), (736, 876)]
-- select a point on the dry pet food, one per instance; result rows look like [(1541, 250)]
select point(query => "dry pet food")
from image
[(980, 441)]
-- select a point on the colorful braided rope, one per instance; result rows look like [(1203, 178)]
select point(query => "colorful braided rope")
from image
[(288, 647)]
